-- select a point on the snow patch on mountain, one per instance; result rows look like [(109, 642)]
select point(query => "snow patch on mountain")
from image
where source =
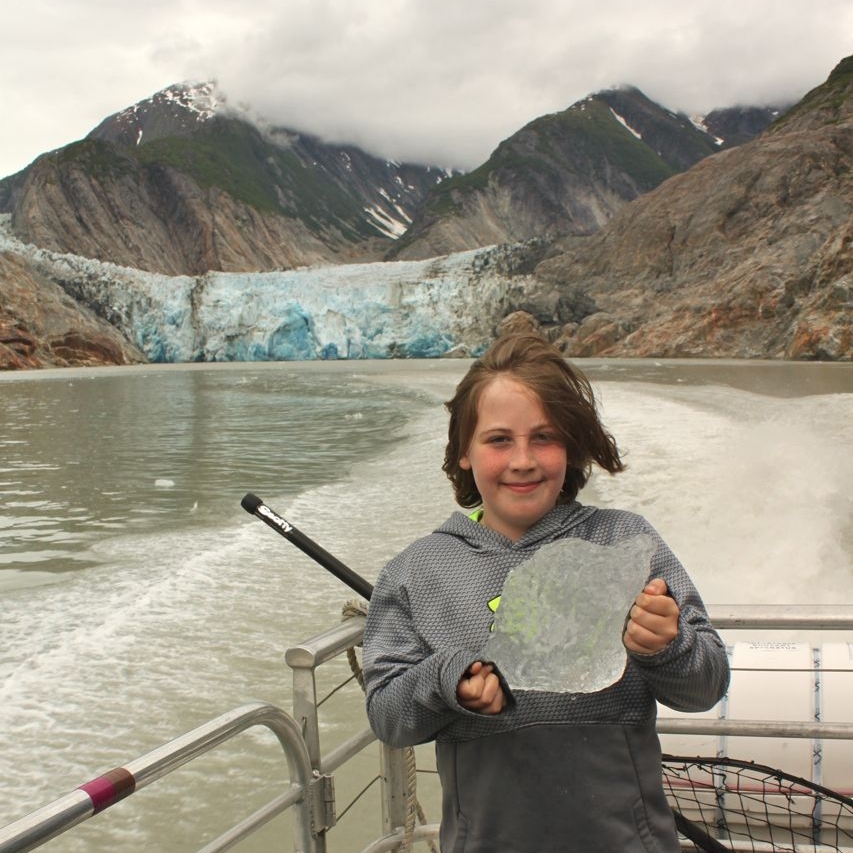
[(699, 123), (625, 124), (389, 226), (202, 99)]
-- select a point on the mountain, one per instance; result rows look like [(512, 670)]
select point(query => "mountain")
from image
[(181, 184), (747, 254), (568, 173), (736, 125)]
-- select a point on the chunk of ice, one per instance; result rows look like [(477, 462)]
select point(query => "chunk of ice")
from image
[(559, 624)]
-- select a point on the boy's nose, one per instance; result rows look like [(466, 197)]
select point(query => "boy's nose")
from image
[(521, 455)]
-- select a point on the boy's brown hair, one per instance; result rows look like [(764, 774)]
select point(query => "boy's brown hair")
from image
[(565, 394)]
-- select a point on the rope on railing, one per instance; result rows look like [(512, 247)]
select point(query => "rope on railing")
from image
[(358, 607)]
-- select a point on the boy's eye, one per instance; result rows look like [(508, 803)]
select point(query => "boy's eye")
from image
[(545, 438), (537, 438)]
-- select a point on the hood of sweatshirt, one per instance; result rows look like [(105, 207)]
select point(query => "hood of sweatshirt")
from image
[(555, 524)]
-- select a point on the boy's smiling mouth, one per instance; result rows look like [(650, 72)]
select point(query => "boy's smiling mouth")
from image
[(526, 486)]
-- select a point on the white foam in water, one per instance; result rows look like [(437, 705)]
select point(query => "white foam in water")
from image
[(751, 492), (120, 660), (384, 504)]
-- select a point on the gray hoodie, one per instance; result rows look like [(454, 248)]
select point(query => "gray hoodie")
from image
[(552, 771)]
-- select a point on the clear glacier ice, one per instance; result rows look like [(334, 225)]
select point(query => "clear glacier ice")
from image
[(558, 627)]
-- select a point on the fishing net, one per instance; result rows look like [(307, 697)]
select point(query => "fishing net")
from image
[(723, 804)]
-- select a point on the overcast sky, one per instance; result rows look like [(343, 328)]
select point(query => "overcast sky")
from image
[(434, 81)]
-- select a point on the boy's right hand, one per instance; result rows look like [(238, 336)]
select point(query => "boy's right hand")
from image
[(480, 690)]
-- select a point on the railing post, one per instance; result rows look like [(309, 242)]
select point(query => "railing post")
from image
[(305, 711), (305, 714), (303, 660), (394, 786)]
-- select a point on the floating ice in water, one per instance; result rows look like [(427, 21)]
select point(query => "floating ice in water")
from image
[(163, 483), (559, 624)]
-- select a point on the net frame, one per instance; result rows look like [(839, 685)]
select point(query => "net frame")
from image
[(726, 804)]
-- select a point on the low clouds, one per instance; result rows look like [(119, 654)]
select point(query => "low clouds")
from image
[(438, 81)]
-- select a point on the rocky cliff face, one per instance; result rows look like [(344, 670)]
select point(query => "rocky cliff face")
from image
[(41, 326), (569, 173), (100, 202), (748, 254)]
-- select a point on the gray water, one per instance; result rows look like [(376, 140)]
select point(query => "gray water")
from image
[(139, 599)]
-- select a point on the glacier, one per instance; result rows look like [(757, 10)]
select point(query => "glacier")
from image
[(451, 305)]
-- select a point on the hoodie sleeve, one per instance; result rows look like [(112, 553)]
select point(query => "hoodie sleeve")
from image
[(692, 672), (410, 689)]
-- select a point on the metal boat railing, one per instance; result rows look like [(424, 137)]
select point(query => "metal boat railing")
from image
[(783, 617), (105, 791), (310, 794), (757, 772)]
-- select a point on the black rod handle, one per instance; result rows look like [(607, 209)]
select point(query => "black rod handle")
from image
[(255, 506)]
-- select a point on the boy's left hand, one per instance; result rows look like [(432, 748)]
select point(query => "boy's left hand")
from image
[(652, 620)]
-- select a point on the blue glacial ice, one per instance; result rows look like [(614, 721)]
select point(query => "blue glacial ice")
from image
[(407, 309)]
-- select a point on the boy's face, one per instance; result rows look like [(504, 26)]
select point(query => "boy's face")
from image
[(517, 460)]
